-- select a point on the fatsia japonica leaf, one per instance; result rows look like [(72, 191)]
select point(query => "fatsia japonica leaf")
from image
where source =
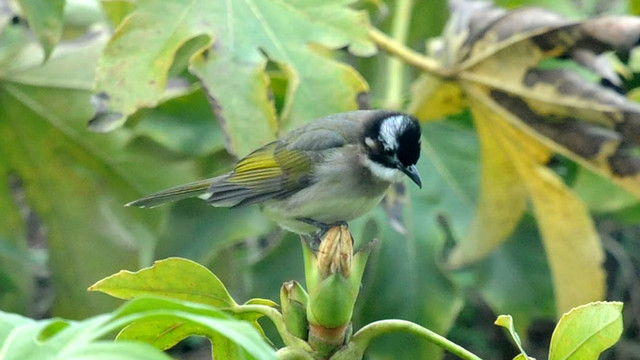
[(232, 42), (74, 180), (569, 236), (159, 322), (164, 322), (525, 111), (22, 338), (183, 285), (46, 19)]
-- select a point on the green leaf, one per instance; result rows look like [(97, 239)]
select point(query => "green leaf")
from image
[(586, 331), (26, 339), (16, 274), (183, 124), (265, 302), (10, 321), (174, 278), (46, 18), (161, 333), (177, 319), (601, 195), (75, 181), (506, 321), (160, 322), (209, 230), (14, 37), (223, 348), (116, 351), (516, 278), (117, 10), (246, 35)]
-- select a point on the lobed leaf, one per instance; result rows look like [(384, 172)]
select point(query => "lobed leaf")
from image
[(43, 113), (46, 18), (164, 322), (571, 241), (245, 35), (26, 339), (525, 111), (160, 322), (591, 124), (433, 98)]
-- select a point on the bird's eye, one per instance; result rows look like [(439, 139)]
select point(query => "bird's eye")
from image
[(388, 152)]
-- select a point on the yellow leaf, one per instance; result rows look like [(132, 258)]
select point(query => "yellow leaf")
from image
[(433, 99), (572, 115), (525, 111), (514, 170), (503, 198), (570, 238)]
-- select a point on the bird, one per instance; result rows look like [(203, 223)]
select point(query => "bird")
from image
[(326, 172)]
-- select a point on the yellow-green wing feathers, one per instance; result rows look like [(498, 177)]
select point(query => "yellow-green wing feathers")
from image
[(277, 169), (270, 172)]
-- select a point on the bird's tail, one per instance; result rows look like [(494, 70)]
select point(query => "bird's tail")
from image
[(197, 188)]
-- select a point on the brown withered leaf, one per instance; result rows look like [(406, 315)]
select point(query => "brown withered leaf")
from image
[(585, 121), (525, 111)]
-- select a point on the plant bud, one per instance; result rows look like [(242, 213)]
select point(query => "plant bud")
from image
[(294, 300), (333, 278), (335, 253)]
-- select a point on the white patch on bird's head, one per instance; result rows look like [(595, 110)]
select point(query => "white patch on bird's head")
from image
[(383, 172), (390, 128)]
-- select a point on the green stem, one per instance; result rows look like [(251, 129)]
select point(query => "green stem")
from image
[(407, 54), (395, 67), (360, 340), (277, 320)]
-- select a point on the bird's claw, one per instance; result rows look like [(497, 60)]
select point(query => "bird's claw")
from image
[(315, 239)]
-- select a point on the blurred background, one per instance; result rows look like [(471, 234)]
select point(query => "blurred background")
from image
[(62, 189)]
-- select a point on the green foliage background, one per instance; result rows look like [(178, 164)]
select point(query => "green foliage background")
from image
[(62, 186)]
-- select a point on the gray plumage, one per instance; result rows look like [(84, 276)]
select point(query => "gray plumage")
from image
[(324, 171)]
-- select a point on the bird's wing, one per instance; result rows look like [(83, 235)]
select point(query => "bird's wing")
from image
[(276, 170)]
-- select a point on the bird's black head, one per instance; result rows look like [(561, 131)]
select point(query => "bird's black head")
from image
[(392, 141)]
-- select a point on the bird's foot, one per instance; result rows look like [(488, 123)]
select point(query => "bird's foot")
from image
[(315, 239)]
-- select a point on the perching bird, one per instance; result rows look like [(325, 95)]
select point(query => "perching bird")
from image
[(329, 171)]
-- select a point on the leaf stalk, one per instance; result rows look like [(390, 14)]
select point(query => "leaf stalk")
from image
[(408, 55), (361, 339), (395, 67)]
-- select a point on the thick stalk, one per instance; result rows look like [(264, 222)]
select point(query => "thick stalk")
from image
[(395, 67), (408, 55)]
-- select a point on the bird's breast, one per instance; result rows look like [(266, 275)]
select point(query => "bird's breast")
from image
[(342, 189)]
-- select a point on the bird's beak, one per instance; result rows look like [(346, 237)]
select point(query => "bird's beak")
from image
[(412, 173)]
